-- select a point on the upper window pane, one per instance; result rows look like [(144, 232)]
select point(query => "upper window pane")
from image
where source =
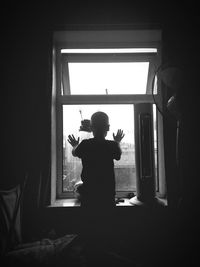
[(108, 77)]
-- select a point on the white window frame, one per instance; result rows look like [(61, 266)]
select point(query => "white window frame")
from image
[(100, 39)]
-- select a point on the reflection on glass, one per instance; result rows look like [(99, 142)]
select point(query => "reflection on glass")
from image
[(120, 117), (108, 78)]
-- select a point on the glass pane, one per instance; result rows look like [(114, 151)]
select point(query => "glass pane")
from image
[(120, 117), (108, 77)]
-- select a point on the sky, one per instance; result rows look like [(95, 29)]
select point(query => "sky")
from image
[(116, 77)]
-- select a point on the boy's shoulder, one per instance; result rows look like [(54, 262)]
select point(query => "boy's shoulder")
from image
[(102, 142), (89, 140), (93, 140)]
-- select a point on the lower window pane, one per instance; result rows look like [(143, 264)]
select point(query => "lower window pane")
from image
[(120, 117)]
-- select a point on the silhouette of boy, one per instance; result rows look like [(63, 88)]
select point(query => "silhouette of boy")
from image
[(97, 155)]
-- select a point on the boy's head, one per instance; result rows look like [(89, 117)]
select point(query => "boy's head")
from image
[(100, 123)]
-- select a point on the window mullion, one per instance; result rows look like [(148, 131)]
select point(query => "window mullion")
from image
[(153, 66), (114, 57), (106, 99), (65, 77), (58, 73), (59, 150)]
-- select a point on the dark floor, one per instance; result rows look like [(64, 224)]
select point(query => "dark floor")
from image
[(148, 238)]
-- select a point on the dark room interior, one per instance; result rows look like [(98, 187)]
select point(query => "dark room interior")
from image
[(162, 235)]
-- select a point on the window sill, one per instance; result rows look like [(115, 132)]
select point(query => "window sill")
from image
[(125, 203)]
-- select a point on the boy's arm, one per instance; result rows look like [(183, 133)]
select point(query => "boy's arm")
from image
[(118, 151), (74, 143), (74, 151), (117, 138)]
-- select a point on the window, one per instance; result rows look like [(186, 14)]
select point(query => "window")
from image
[(107, 78)]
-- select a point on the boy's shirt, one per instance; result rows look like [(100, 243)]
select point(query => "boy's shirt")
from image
[(98, 166)]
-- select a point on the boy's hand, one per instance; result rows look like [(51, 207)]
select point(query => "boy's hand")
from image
[(119, 136), (72, 140)]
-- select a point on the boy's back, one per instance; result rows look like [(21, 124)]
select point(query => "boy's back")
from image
[(98, 167), (97, 155)]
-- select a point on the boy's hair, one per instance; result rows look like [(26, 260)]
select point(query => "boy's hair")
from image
[(100, 121)]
